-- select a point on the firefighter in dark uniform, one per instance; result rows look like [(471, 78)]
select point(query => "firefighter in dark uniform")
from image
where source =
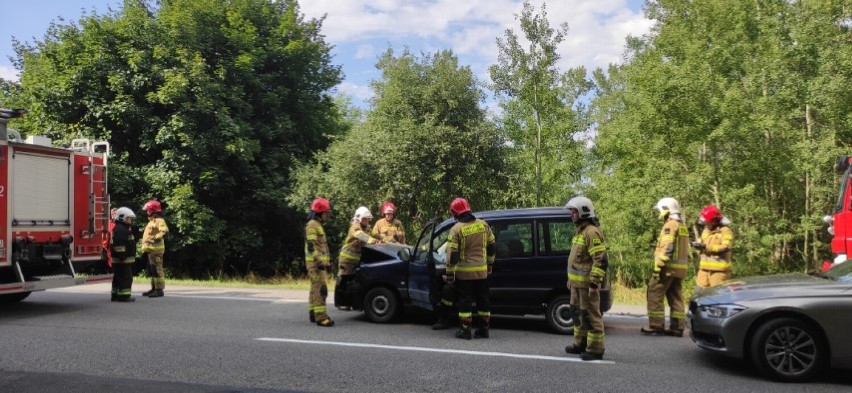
[(445, 305), (470, 257), (317, 261), (717, 241), (587, 265), (670, 262), (123, 253)]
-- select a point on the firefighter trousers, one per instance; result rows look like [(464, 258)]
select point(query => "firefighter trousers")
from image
[(588, 321), (709, 278), (155, 269), (470, 291), (318, 294), (122, 279), (670, 289)]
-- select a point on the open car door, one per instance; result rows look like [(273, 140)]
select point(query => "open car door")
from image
[(421, 268)]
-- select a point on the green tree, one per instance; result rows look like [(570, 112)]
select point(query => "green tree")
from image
[(424, 141), (207, 105), (733, 104), (542, 111)]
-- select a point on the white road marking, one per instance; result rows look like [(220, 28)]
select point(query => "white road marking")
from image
[(438, 350), (256, 299)]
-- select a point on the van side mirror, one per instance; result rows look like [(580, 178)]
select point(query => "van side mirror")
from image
[(404, 254)]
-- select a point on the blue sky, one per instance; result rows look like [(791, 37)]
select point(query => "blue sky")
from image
[(360, 30)]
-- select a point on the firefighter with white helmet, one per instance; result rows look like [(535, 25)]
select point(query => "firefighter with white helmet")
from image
[(715, 247), (350, 255), (587, 266), (389, 229), (154, 245), (317, 261), (671, 257), (123, 253)]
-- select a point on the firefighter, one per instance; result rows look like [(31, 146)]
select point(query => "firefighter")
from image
[(389, 229), (350, 255), (715, 246), (670, 262), (123, 253), (317, 261), (470, 258), (154, 245), (587, 265)]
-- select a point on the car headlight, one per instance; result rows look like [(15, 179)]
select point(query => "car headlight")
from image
[(722, 310)]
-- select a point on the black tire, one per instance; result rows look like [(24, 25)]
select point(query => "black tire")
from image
[(788, 350), (558, 315), (381, 305), (12, 298)]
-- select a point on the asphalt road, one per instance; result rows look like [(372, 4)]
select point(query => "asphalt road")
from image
[(230, 340)]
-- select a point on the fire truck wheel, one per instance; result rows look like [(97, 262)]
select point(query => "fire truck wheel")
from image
[(13, 297)]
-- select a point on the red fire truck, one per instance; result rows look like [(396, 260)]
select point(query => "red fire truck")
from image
[(840, 223), (54, 211)]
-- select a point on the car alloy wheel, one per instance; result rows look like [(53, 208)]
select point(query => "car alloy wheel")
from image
[(558, 315), (788, 349), (381, 304)]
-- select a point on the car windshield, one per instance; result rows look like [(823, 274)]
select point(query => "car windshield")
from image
[(841, 273)]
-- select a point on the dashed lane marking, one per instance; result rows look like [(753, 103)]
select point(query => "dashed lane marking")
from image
[(435, 350)]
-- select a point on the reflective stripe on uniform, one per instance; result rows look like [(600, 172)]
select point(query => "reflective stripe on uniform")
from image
[(349, 255), (597, 249), (475, 268), (594, 338), (465, 314), (715, 264), (678, 315)]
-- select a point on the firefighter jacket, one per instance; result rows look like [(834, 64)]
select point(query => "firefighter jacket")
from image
[(356, 238), (122, 244), (316, 246), (474, 243), (152, 238), (389, 231), (587, 263), (716, 256), (672, 254)]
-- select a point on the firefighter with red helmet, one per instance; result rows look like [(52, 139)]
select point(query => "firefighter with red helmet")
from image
[(154, 245), (470, 257), (587, 265), (122, 245), (715, 247), (670, 262), (317, 261), (388, 229)]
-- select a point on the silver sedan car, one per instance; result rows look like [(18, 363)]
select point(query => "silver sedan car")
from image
[(790, 326)]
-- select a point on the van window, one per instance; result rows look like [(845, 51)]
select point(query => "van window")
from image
[(514, 239), (554, 237)]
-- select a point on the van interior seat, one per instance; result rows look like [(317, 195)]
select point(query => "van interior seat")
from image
[(512, 242)]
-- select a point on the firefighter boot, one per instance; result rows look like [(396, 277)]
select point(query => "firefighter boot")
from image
[(327, 322), (113, 297), (575, 350), (652, 331), (311, 316), (126, 299), (443, 318), (148, 293), (483, 330), (591, 356), (156, 293), (464, 331)]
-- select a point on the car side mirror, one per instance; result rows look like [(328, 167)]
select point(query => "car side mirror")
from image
[(405, 254)]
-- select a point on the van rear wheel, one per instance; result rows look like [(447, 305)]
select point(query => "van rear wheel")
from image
[(381, 305), (558, 315)]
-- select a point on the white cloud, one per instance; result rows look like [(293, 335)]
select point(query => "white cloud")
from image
[(598, 28), (9, 73), (365, 51), (361, 92)]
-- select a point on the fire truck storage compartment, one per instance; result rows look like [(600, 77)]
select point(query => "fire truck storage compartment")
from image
[(40, 191)]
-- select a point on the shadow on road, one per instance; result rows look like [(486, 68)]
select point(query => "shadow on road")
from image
[(32, 308), (743, 368)]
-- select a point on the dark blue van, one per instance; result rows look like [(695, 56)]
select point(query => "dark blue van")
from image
[(529, 275)]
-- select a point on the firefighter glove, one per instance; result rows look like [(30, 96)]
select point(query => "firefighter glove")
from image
[(489, 269), (699, 246), (660, 264)]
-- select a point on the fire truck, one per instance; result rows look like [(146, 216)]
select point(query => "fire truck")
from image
[(840, 223), (54, 212)]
